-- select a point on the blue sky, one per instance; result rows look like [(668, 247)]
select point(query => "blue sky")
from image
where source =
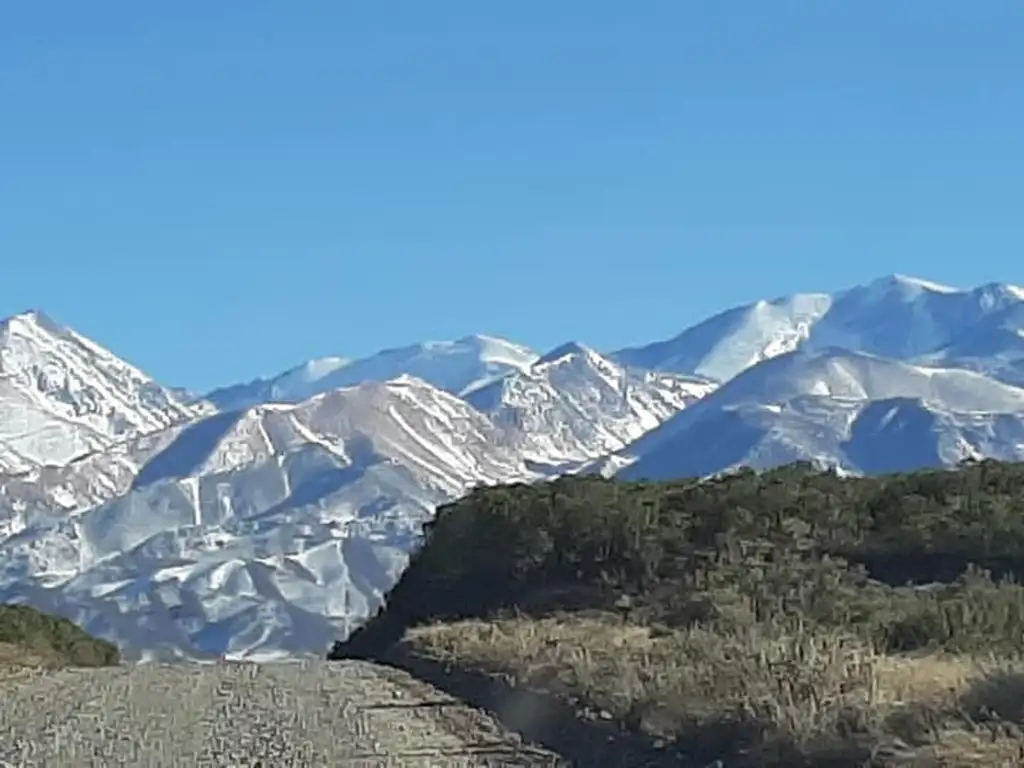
[(221, 190)]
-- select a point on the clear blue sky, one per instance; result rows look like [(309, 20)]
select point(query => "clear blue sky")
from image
[(218, 190)]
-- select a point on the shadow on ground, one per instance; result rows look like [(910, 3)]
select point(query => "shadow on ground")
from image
[(542, 718), (595, 742)]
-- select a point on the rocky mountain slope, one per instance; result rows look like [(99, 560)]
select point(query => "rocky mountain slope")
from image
[(573, 405), (62, 395), (265, 519), (255, 532)]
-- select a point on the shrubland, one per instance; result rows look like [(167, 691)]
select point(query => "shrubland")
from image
[(787, 617), (30, 638)]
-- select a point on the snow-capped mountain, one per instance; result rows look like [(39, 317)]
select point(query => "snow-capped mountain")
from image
[(574, 405), (730, 342), (454, 366), (255, 532), (266, 518), (994, 346), (62, 395), (851, 410), (896, 316)]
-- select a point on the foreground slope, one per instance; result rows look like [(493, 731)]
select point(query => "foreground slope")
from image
[(254, 533), (62, 395)]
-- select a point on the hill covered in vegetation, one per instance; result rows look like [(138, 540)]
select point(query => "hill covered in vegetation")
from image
[(779, 618), (29, 637)]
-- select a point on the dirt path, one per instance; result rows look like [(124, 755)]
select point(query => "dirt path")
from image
[(310, 714)]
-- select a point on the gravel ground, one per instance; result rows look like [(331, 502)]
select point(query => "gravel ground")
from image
[(309, 714)]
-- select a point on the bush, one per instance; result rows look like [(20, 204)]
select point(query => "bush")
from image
[(54, 640), (789, 544), (783, 613)]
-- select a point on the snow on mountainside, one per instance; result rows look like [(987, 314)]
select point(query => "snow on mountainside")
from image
[(271, 526), (253, 533), (994, 346), (896, 316), (271, 529), (574, 405), (455, 366), (730, 342), (62, 395), (292, 386), (847, 409)]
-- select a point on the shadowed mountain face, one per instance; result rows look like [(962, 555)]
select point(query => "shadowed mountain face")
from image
[(857, 412), (265, 519)]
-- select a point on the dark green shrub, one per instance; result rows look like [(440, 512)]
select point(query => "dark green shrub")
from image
[(56, 639), (789, 545)]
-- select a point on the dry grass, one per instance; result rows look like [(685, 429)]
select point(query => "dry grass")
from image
[(759, 695), (17, 663)]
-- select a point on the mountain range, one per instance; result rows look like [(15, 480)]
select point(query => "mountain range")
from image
[(266, 518)]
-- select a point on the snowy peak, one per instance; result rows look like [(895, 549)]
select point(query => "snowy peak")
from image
[(903, 318), (734, 340), (906, 285), (895, 316), (293, 385), (454, 366), (574, 405), (63, 395), (569, 349), (26, 321)]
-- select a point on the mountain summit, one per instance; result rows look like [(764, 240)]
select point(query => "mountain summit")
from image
[(62, 395), (895, 316), (454, 366), (266, 519)]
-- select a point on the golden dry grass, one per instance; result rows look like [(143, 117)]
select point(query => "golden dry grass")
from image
[(772, 695)]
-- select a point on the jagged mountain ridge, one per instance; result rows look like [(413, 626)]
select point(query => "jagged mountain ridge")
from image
[(235, 506), (263, 529), (455, 366), (62, 395), (574, 405), (897, 316)]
